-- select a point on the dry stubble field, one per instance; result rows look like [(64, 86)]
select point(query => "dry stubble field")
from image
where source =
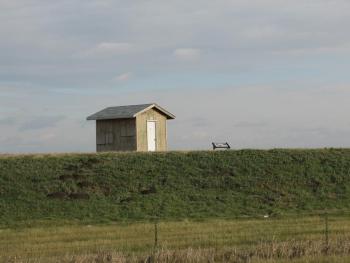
[(296, 239)]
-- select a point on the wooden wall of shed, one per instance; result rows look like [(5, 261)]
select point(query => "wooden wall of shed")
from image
[(161, 130), (123, 133)]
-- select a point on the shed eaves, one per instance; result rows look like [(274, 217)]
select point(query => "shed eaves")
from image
[(125, 112)]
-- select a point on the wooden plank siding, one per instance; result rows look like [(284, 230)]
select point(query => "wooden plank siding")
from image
[(116, 135), (141, 130), (131, 134)]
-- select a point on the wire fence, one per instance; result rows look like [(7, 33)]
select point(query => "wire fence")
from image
[(323, 233)]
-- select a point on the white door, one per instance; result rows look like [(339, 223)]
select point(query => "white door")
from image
[(151, 135)]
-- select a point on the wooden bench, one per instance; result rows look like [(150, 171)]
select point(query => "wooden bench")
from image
[(221, 145)]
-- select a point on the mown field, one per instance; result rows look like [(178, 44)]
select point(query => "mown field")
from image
[(297, 239), (112, 187)]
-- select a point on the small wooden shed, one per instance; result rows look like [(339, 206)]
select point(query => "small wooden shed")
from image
[(132, 128)]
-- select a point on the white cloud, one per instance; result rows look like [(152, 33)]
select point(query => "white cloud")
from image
[(188, 54), (124, 77)]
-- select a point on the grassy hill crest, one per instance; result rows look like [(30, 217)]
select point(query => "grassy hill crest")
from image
[(128, 186)]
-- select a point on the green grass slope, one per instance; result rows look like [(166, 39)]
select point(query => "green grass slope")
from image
[(118, 186)]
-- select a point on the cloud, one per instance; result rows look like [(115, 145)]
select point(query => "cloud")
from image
[(21, 143), (108, 49), (53, 47), (197, 121), (187, 54), (41, 122), (47, 136), (260, 61), (250, 124), (7, 121), (113, 48), (200, 135), (124, 77), (10, 141), (245, 116)]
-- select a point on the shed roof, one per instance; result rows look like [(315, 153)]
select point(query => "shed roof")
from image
[(127, 112)]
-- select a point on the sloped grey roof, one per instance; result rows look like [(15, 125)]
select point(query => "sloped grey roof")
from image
[(126, 112)]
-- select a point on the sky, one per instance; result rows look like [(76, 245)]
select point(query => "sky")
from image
[(257, 74)]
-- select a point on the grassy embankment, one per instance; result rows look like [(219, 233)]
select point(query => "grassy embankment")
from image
[(58, 195), (97, 188)]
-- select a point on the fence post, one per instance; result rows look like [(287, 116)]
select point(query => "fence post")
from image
[(152, 257), (155, 234), (326, 233)]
